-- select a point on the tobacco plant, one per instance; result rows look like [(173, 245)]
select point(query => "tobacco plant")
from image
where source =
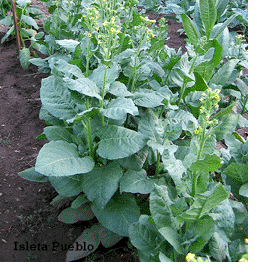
[(132, 129)]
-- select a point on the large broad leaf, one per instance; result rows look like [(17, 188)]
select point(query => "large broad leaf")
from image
[(224, 73), (175, 167), (68, 69), (160, 207), (108, 238), (67, 186), (137, 182), (68, 44), (208, 14), (118, 108), (172, 236), (29, 21), (204, 202), (145, 236), (198, 235), (238, 172), (119, 142), (147, 98), (71, 215), (57, 99), (209, 164), (218, 247), (59, 158), (85, 244), (119, 89), (101, 183), (84, 86), (55, 133), (118, 214)]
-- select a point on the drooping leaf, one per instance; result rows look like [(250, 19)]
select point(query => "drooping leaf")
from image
[(85, 244), (68, 69), (147, 98), (119, 89), (67, 186), (108, 238), (79, 201), (31, 175), (119, 142), (71, 215), (84, 86), (243, 191), (24, 56), (101, 183), (29, 21), (118, 214), (59, 158), (218, 247)]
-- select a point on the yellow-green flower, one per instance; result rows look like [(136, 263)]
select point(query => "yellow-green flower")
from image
[(190, 257), (196, 131)]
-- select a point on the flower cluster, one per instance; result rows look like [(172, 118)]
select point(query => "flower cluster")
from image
[(192, 258), (244, 258), (240, 39), (209, 104)]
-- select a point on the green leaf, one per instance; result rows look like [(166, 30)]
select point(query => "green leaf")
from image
[(119, 89), (29, 21), (108, 238), (84, 86), (144, 236), (57, 99), (8, 33), (209, 164), (221, 6), (71, 216), (204, 202), (79, 201), (59, 158), (208, 14), (206, 69), (218, 247), (201, 232), (68, 44), (68, 69), (189, 29), (243, 191), (119, 108), (147, 98), (227, 125), (136, 182), (83, 115), (161, 208), (118, 214), (239, 172), (171, 235), (25, 56), (119, 142), (101, 183), (175, 167), (164, 258), (55, 133), (67, 186), (135, 161), (224, 73), (31, 175), (85, 244)]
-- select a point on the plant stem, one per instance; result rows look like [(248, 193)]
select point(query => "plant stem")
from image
[(202, 143), (103, 95), (157, 164), (87, 126), (244, 107)]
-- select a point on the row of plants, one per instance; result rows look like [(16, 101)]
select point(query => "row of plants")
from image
[(132, 127)]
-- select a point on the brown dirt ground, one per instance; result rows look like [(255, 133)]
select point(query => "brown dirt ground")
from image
[(19, 127)]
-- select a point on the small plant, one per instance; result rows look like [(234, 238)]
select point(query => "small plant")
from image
[(25, 30)]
